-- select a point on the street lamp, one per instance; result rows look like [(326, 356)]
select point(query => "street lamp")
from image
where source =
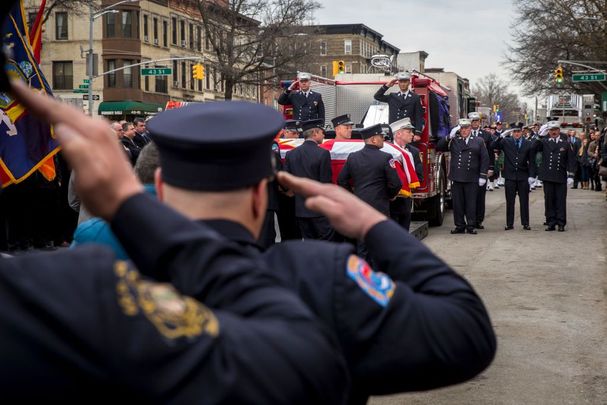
[(92, 17)]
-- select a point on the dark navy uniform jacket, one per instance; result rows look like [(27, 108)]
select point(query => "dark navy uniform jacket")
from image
[(416, 326), (313, 162), (403, 107), (519, 163), (489, 139), (77, 326), (558, 159), (469, 162), (304, 108), (371, 174)]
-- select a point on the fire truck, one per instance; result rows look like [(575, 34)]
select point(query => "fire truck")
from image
[(353, 94)]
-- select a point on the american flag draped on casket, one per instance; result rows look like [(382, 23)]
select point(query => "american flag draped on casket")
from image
[(340, 150)]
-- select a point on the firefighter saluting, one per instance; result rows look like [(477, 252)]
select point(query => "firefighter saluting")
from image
[(307, 104), (403, 104)]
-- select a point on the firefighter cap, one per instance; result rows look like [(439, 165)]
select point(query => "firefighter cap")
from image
[(216, 146), (553, 125), (403, 76), (405, 123), (311, 124), (342, 120), (304, 76), (373, 130), (293, 125), (464, 122), (474, 116)]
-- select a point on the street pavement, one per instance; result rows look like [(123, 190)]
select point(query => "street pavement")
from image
[(547, 296)]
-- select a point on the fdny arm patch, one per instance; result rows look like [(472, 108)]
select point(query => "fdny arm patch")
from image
[(376, 285)]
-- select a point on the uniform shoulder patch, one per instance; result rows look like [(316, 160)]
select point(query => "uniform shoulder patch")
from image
[(392, 163), (172, 314), (376, 285)]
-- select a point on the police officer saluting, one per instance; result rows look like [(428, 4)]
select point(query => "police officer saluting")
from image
[(371, 174), (404, 103), (519, 172), (468, 171), (313, 162), (475, 121), (556, 172), (307, 104), (400, 208)]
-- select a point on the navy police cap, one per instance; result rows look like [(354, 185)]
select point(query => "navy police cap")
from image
[(368, 132), (292, 125), (216, 146), (311, 124)]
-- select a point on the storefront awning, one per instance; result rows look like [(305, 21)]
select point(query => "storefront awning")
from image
[(129, 108)]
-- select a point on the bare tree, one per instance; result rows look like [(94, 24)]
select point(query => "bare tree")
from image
[(254, 41), (490, 91), (77, 7), (546, 31)]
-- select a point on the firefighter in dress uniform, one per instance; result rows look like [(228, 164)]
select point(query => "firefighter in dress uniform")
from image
[(467, 171), (400, 208), (307, 104), (404, 103), (556, 173), (287, 223), (519, 172), (371, 174), (475, 120)]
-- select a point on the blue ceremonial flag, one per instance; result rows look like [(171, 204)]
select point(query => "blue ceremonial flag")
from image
[(26, 143)]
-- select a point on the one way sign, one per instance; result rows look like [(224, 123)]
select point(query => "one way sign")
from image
[(85, 97)]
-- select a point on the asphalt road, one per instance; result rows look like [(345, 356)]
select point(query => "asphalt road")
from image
[(547, 296)]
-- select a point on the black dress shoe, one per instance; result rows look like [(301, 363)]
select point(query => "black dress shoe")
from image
[(508, 228), (545, 223), (561, 228), (550, 228), (471, 231), (526, 227), (479, 226), (457, 230)]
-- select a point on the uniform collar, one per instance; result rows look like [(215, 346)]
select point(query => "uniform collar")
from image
[(372, 147), (232, 231)]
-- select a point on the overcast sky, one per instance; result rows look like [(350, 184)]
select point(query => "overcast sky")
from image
[(464, 36)]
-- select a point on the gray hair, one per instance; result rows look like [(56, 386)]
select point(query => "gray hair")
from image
[(147, 163)]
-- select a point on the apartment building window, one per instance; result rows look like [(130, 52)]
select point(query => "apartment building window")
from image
[(111, 78), (207, 79), (162, 84), (207, 42), (192, 81), (146, 32), (182, 31), (323, 48), (348, 68), (175, 74), (147, 83), (199, 39), (63, 75), (184, 73), (31, 19), (165, 33), (61, 25), (199, 85), (348, 46), (127, 24), (192, 36), (128, 74), (174, 30), (323, 71), (155, 28), (110, 25)]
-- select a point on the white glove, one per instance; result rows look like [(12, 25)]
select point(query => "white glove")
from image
[(482, 182), (453, 132), (569, 182), (506, 133), (531, 181)]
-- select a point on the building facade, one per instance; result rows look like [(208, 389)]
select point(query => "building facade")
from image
[(159, 33), (354, 44)]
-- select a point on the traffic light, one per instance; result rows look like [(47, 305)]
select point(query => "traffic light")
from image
[(496, 108), (558, 75), (198, 71), (339, 66)]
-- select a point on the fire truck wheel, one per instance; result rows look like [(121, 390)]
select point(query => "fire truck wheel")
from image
[(438, 203)]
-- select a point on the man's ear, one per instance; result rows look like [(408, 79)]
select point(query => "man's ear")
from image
[(260, 199), (158, 184)]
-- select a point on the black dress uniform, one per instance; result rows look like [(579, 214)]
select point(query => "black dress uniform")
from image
[(306, 106), (286, 204), (313, 162), (268, 232), (469, 162), (558, 164), (482, 190), (400, 208), (403, 105), (519, 166), (77, 326)]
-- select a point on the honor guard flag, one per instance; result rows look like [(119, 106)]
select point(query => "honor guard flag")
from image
[(26, 143)]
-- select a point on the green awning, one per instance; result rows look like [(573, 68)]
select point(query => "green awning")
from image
[(129, 108)]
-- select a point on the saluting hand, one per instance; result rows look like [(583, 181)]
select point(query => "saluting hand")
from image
[(391, 83), (349, 215), (293, 85)]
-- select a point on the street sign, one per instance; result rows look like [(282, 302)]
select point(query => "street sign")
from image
[(80, 91), (85, 97), (156, 72), (589, 77), (86, 81), (84, 86)]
